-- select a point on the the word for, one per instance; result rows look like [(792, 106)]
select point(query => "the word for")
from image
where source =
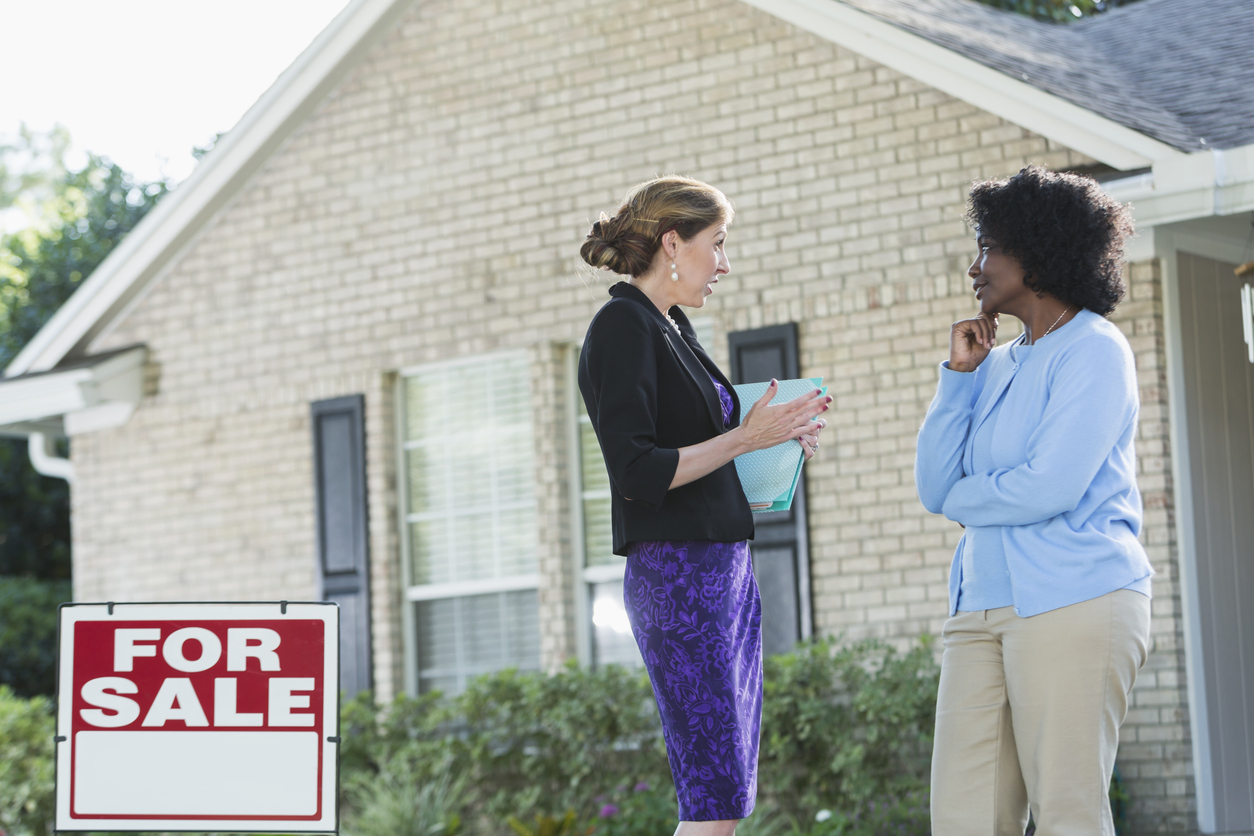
[(176, 699)]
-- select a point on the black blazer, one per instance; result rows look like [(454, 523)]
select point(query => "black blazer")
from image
[(648, 393)]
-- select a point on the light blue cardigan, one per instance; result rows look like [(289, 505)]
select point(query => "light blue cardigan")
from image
[(1064, 492)]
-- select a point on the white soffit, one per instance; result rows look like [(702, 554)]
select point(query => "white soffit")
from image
[(93, 396), (174, 224), (991, 90)]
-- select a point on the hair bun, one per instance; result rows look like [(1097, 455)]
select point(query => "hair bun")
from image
[(610, 247), (628, 242)]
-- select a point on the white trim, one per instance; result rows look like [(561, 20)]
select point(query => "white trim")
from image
[(1182, 496), (1191, 186), (1218, 248), (583, 612), (476, 359), (465, 589), (88, 398), (1168, 244), (143, 254), (409, 649), (964, 78), (44, 459)]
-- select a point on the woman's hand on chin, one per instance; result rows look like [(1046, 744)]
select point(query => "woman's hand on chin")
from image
[(970, 341), (766, 426)]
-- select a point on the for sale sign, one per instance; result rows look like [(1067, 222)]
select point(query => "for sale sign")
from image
[(219, 717)]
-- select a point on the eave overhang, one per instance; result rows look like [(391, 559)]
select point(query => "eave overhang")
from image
[(94, 394)]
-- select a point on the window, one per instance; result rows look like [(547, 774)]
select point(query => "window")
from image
[(469, 520), (606, 636)]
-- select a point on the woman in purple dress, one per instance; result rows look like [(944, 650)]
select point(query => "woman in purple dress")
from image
[(669, 425)]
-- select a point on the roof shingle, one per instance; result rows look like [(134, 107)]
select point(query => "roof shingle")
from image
[(1178, 71)]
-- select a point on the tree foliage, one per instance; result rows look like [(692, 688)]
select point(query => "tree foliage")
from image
[(56, 225), (1059, 11), (76, 218), (26, 769)]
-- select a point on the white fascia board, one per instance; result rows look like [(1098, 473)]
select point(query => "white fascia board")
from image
[(45, 396), (991, 90), (1234, 180), (112, 388), (1198, 185), (143, 254)]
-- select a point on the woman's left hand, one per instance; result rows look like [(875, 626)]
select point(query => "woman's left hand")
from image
[(810, 441)]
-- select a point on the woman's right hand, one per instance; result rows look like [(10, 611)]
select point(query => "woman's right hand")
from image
[(767, 426), (970, 341)]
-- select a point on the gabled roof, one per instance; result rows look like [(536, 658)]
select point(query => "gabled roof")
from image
[(1181, 72), (156, 242), (931, 40)]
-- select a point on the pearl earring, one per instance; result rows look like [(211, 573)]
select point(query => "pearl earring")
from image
[(674, 273)]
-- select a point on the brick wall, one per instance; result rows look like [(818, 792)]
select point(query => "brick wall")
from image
[(1155, 757), (433, 208)]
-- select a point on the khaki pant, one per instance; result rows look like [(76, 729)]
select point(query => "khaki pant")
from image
[(1028, 715)]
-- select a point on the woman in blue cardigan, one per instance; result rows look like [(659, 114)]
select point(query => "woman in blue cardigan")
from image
[(1029, 446)]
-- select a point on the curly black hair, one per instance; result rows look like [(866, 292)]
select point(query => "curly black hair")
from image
[(1066, 232)]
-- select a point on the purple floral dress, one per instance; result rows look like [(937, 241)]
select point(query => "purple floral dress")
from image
[(695, 613)]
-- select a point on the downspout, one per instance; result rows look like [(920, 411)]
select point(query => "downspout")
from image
[(44, 459)]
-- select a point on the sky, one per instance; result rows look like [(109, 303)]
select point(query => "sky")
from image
[(144, 81)]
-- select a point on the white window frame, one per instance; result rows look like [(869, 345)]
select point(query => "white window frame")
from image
[(458, 589)]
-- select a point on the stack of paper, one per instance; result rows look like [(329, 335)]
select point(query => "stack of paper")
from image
[(770, 476)]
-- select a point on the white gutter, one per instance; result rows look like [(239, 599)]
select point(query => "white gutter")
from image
[(991, 90), (175, 223), (95, 396), (45, 461), (1198, 185)]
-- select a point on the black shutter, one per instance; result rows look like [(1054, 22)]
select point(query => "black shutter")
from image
[(781, 553), (343, 555)]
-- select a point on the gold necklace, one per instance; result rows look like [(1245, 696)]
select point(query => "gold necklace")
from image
[(1056, 321)]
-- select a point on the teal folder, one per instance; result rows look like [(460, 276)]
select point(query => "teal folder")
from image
[(770, 476)]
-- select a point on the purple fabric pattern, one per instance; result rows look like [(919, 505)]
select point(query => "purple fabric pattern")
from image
[(725, 400), (696, 615)]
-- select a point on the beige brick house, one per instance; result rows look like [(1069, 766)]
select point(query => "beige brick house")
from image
[(337, 361)]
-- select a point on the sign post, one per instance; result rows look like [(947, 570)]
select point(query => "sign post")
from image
[(217, 717)]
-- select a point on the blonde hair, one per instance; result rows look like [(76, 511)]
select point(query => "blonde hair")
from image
[(627, 242)]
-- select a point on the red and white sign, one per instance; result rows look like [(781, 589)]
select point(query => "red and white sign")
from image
[(219, 717)]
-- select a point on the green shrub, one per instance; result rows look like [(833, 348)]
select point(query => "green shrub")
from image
[(26, 764), (535, 744), (640, 809), (842, 726), (567, 825), (28, 634), (413, 734), (397, 802), (907, 815), (765, 820)]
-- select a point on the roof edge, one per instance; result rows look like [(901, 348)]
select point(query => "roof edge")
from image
[(177, 221), (964, 78), (91, 395)]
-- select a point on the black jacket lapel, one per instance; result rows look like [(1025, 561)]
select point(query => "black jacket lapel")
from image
[(681, 346)]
